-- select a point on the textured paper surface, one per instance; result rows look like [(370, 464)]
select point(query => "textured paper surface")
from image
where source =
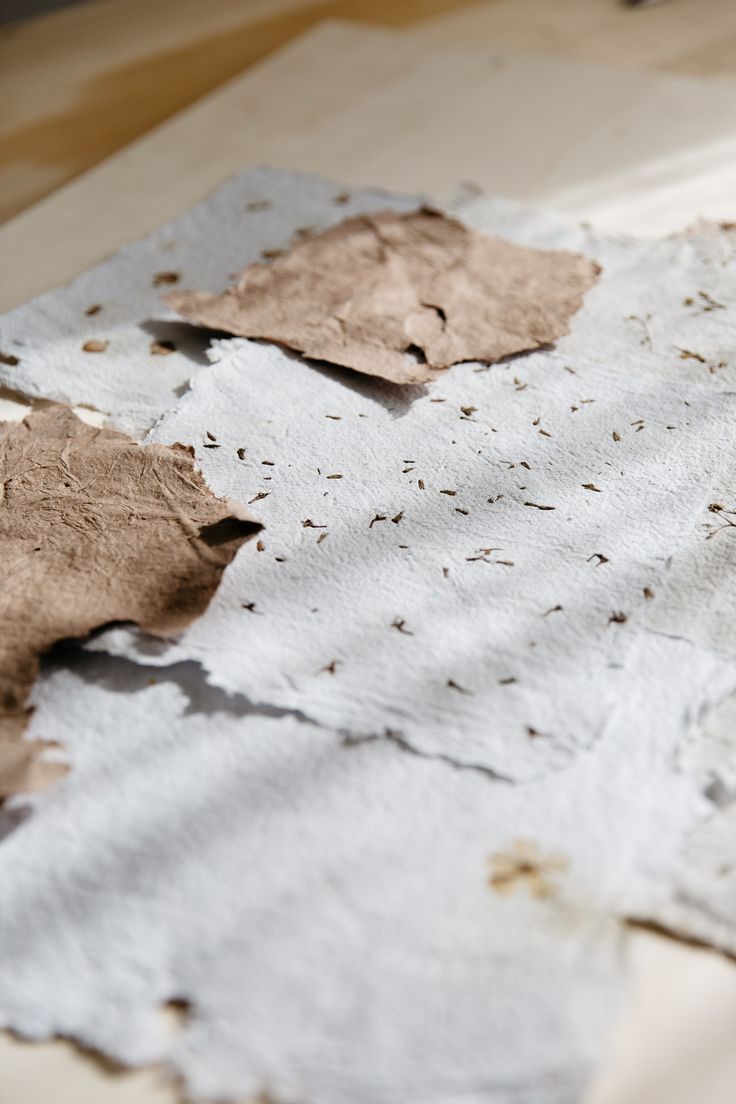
[(400, 296), (379, 814), (119, 302), (95, 529)]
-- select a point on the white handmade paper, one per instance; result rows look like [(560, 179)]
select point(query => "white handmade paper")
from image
[(380, 814), (327, 905)]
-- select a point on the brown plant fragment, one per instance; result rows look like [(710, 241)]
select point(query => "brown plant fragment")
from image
[(161, 279), (95, 528), (162, 348), (525, 866), (9, 359), (95, 346), (402, 297)]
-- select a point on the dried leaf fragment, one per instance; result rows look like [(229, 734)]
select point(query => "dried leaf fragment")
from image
[(162, 348), (95, 528), (161, 279), (401, 296), (525, 865)]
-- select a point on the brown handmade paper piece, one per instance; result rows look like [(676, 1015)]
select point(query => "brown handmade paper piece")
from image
[(401, 296), (95, 528)]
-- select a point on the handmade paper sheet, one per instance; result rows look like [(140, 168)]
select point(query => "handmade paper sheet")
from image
[(381, 814)]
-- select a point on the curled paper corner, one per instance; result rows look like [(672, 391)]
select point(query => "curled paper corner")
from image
[(95, 528), (401, 296)]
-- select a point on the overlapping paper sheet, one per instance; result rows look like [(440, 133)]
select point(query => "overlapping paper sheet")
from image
[(466, 706)]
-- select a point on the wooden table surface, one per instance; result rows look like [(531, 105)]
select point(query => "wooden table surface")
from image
[(80, 83)]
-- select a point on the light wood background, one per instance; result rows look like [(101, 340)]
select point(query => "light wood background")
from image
[(80, 83)]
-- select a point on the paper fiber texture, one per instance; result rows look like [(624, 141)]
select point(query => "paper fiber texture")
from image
[(400, 296), (118, 303), (326, 905), (452, 565), (381, 814), (94, 529)]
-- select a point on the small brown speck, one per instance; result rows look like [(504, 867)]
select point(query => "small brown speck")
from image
[(420, 484), (554, 609), (271, 254), (309, 524), (95, 346), (333, 417), (260, 546), (448, 492), (336, 475), (536, 506), (268, 463), (452, 685), (161, 279), (9, 359), (331, 667), (438, 400), (507, 681), (591, 487), (241, 454), (468, 411), (648, 594), (525, 867), (321, 537), (250, 606), (259, 496), (688, 354), (397, 517), (378, 517), (616, 436), (544, 433), (258, 205), (460, 510), (162, 348), (599, 557), (536, 421), (342, 198), (94, 309), (445, 571), (210, 436), (618, 618), (399, 624)]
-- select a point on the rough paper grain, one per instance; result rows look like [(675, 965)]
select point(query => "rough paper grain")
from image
[(460, 583), (401, 296), (93, 529), (492, 583), (118, 302)]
